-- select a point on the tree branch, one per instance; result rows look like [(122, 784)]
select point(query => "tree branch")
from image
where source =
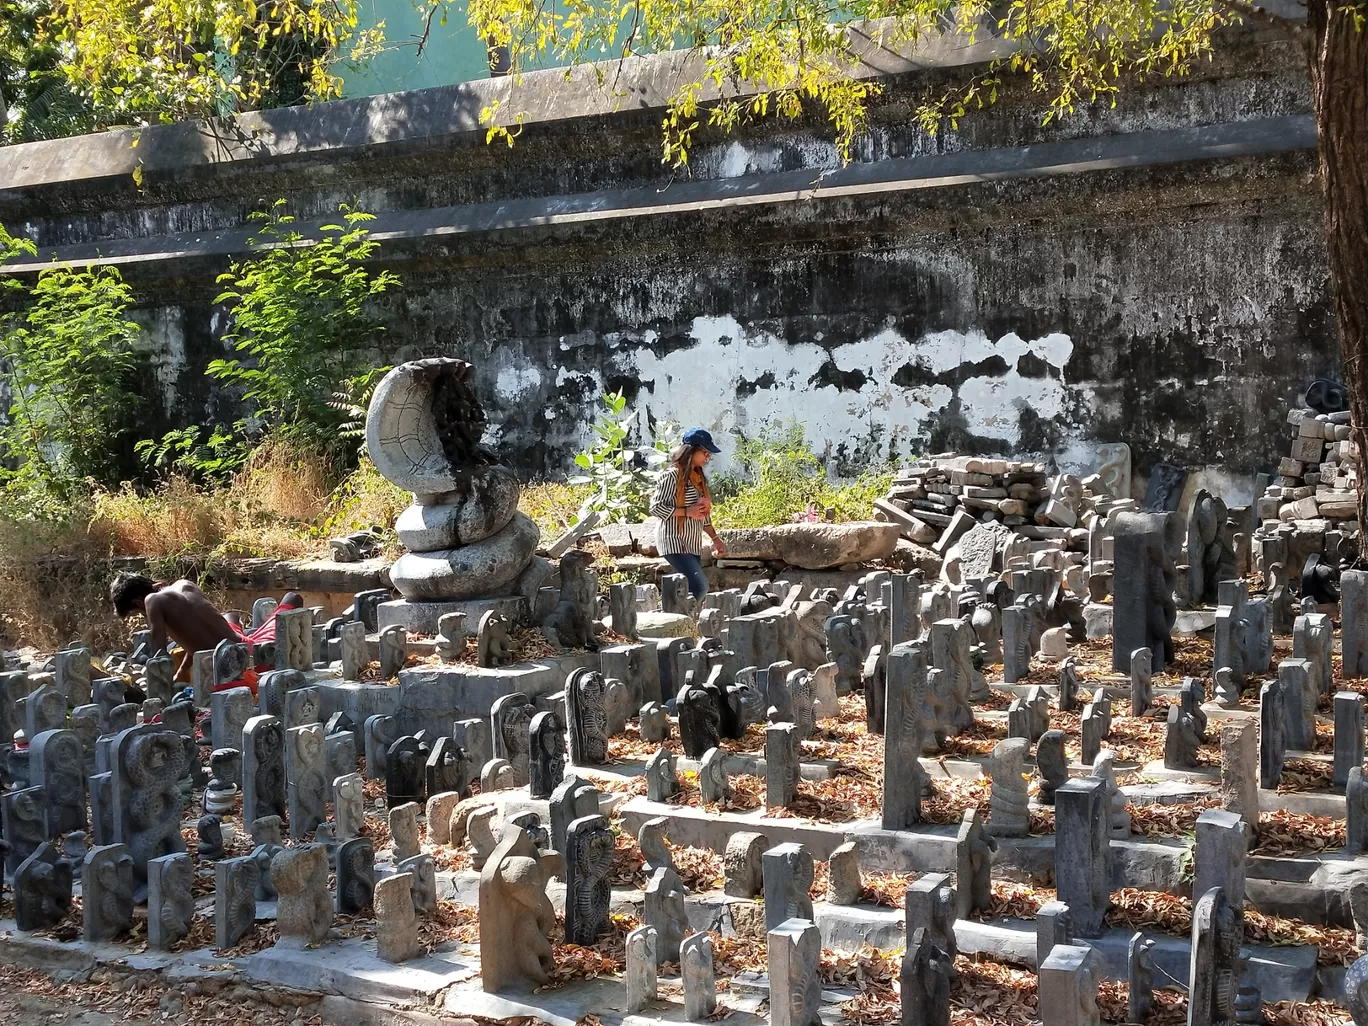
[(427, 29), (1246, 9), (627, 43)]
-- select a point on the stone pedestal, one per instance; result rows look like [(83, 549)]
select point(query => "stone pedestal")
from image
[(428, 695), (422, 617)]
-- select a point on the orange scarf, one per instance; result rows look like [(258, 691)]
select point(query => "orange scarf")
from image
[(699, 482)]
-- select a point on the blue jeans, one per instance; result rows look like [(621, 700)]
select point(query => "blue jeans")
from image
[(689, 565)]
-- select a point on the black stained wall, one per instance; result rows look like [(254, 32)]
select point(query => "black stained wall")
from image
[(1179, 308)]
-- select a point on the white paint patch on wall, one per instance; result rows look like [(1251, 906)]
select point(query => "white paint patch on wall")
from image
[(739, 381), (1232, 489), (164, 340), (512, 382)]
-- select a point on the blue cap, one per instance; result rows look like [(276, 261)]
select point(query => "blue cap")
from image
[(701, 438)]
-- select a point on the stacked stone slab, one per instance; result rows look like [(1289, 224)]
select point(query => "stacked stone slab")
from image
[(941, 498), (466, 539), (1309, 508), (1317, 479)]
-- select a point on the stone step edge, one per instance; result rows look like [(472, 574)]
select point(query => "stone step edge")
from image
[(176, 969)]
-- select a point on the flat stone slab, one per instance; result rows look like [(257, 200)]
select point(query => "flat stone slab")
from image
[(1158, 771), (814, 546), (350, 968), (931, 849), (422, 617), (1167, 792), (1098, 617), (26, 949), (658, 625), (1281, 973), (317, 575), (1194, 621)]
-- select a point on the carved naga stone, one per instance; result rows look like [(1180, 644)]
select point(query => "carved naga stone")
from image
[(516, 917), (571, 623), (586, 702), (588, 859), (465, 536)]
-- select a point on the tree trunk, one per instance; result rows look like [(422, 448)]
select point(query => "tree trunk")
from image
[(1338, 45)]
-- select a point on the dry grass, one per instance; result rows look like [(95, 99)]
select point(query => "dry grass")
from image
[(274, 506), (50, 592), (179, 518), (285, 504), (553, 505)]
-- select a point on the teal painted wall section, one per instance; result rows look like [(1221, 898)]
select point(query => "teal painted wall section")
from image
[(452, 53)]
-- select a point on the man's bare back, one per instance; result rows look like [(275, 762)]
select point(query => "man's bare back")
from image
[(183, 613)]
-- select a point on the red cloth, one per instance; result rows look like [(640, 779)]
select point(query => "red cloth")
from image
[(266, 633), (263, 635), (247, 680)]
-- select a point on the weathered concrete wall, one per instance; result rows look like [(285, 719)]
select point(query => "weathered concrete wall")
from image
[(1151, 273)]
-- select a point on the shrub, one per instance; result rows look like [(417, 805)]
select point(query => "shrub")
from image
[(554, 505), (621, 473), (68, 360), (305, 340), (782, 480)]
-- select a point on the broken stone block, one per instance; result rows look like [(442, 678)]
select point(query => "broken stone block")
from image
[(1289, 467), (1309, 450)]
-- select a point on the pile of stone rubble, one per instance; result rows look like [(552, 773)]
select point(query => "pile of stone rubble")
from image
[(982, 514), (1317, 479), (1306, 517)]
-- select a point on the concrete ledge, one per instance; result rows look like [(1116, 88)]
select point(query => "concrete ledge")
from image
[(607, 999), (431, 697), (1254, 137), (41, 952), (427, 119), (930, 849), (1313, 887), (736, 764), (422, 617), (350, 968), (1281, 973), (77, 956), (301, 575)]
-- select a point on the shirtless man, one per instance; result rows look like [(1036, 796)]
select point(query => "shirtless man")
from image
[(178, 611)]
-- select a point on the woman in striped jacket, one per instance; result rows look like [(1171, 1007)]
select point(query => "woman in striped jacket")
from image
[(682, 504)]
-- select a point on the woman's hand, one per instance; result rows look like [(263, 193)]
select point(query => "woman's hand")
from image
[(700, 510), (719, 546)]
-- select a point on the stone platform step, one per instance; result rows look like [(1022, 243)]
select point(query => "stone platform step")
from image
[(605, 998), (352, 969), (432, 697), (931, 849), (1281, 973)]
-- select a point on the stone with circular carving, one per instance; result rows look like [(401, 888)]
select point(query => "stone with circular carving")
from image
[(424, 425), (492, 501), (487, 568)]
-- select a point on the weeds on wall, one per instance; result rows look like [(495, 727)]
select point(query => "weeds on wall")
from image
[(620, 467), (68, 364), (781, 480)]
